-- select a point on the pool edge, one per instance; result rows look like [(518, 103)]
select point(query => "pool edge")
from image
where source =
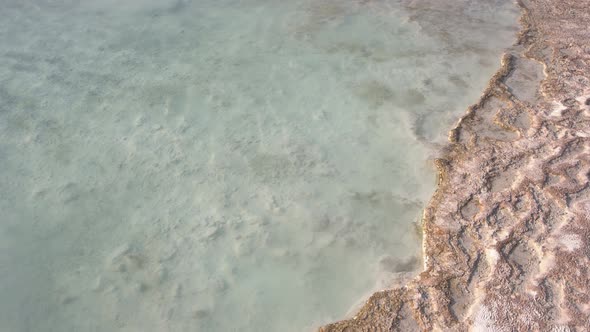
[(508, 258)]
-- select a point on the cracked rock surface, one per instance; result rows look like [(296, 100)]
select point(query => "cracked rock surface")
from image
[(506, 235)]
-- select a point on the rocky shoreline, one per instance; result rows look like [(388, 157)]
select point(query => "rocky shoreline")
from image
[(506, 235)]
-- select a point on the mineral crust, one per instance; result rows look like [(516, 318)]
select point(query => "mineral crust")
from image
[(506, 235)]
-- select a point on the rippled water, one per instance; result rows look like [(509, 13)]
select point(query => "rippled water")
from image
[(228, 165)]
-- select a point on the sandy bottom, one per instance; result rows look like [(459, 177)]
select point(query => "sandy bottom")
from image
[(222, 165)]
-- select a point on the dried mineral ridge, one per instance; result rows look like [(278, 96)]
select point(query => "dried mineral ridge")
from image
[(506, 235)]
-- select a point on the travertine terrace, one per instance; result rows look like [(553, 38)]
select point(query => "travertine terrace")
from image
[(506, 235)]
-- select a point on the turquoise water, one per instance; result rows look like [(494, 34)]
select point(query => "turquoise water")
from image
[(228, 165)]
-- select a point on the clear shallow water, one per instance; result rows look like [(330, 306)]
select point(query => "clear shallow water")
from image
[(222, 165)]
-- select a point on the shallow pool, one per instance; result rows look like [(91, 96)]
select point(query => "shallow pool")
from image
[(223, 165)]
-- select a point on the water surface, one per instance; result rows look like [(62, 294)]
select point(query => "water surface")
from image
[(228, 165)]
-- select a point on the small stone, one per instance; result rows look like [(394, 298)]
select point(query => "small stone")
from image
[(321, 225), (98, 284), (178, 291), (167, 254), (121, 267), (119, 253), (349, 242), (279, 252), (212, 232), (162, 274), (218, 285), (68, 299), (201, 313), (170, 313), (139, 121), (141, 287)]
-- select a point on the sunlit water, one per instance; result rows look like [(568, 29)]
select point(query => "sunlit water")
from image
[(223, 165)]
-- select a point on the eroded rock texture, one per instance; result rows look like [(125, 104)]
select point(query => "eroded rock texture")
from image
[(506, 236)]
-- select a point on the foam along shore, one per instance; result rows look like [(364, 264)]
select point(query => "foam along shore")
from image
[(506, 235)]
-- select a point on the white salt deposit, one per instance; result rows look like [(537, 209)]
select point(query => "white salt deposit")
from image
[(228, 165)]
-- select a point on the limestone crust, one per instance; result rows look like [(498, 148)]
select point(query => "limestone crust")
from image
[(506, 235)]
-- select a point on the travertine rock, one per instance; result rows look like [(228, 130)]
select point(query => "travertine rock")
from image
[(506, 236)]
